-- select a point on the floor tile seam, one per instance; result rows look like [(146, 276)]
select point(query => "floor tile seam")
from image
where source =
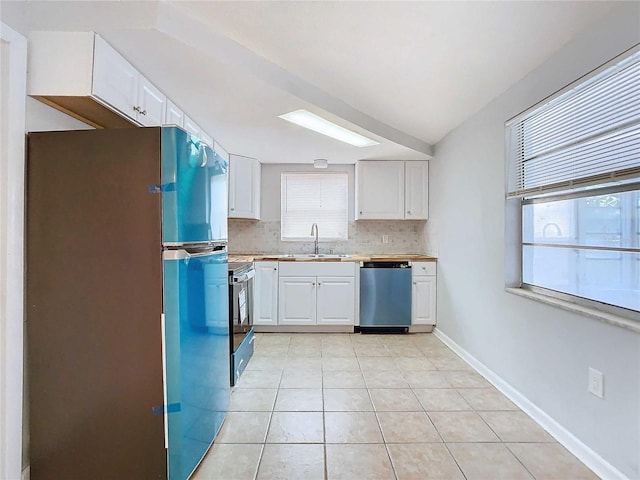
[(456, 461), (512, 453), (255, 475), (475, 441), (393, 466), (487, 424), (264, 443)]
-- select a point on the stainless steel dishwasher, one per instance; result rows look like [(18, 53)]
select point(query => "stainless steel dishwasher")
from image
[(385, 296)]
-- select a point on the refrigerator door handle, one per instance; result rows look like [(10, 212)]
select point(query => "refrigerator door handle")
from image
[(183, 254), (164, 379)]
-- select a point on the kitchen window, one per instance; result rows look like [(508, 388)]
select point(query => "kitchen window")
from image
[(573, 177), (308, 198)]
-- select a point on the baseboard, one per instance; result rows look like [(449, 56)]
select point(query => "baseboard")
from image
[(586, 455), (26, 473), (303, 328)]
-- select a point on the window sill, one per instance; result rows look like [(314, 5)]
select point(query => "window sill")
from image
[(605, 317)]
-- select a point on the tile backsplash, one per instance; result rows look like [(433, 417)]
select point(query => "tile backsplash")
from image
[(365, 237)]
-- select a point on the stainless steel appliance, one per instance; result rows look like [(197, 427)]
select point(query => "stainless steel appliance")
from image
[(127, 302), (385, 296), (240, 316)]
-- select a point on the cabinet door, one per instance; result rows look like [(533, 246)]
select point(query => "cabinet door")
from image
[(379, 190), (206, 138), (151, 104), (191, 127), (297, 301), (173, 115), (423, 301), (115, 81), (416, 190), (265, 293), (336, 301), (244, 187)]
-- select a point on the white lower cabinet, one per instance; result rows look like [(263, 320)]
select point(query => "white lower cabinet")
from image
[(336, 302), (316, 293), (297, 299), (265, 293), (423, 293)]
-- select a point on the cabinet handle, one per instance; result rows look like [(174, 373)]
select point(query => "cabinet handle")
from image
[(415, 283), (409, 212), (360, 212), (232, 209), (275, 269), (314, 284), (139, 110)]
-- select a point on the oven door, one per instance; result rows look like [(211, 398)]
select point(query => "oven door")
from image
[(241, 323)]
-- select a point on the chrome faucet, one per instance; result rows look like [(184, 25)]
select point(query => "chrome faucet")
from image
[(315, 227)]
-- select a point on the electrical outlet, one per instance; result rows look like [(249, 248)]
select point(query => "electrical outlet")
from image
[(385, 238), (596, 383)]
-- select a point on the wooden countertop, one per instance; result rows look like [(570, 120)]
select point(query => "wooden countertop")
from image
[(247, 257)]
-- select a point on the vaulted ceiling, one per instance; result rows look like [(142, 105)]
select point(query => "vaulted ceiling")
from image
[(404, 73)]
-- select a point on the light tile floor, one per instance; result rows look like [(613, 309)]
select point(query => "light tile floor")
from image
[(368, 407)]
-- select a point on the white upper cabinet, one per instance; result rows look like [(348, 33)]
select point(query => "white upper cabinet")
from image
[(151, 104), (173, 115), (392, 190), (115, 81), (244, 187), (82, 75), (118, 84), (416, 190), (379, 190), (192, 127), (206, 138)]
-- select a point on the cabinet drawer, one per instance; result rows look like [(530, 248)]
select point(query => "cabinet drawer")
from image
[(423, 268), (317, 269)]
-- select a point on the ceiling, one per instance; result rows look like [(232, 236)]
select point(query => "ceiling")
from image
[(403, 73)]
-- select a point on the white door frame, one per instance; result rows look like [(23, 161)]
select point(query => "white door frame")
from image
[(12, 152)]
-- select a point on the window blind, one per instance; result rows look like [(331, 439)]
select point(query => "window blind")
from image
[(588, 134), (308, 198)]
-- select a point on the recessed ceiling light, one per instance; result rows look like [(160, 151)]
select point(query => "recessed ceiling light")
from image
[(318, 124)]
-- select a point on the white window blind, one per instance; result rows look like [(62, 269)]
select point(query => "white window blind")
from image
[(587, 135), (308, 198)]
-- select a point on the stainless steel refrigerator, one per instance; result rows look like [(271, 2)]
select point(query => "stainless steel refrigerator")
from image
[(126, 302)]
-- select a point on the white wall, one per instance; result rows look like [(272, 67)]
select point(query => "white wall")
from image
[(42, 118), (540, 350), (13, 84)]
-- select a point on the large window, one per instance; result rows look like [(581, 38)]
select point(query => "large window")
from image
[(574, 169), (320, 198)]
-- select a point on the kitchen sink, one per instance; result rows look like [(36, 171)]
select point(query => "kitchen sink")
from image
[(315, 255)]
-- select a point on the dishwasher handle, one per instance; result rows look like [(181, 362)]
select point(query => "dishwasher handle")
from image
[(385, 265)]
